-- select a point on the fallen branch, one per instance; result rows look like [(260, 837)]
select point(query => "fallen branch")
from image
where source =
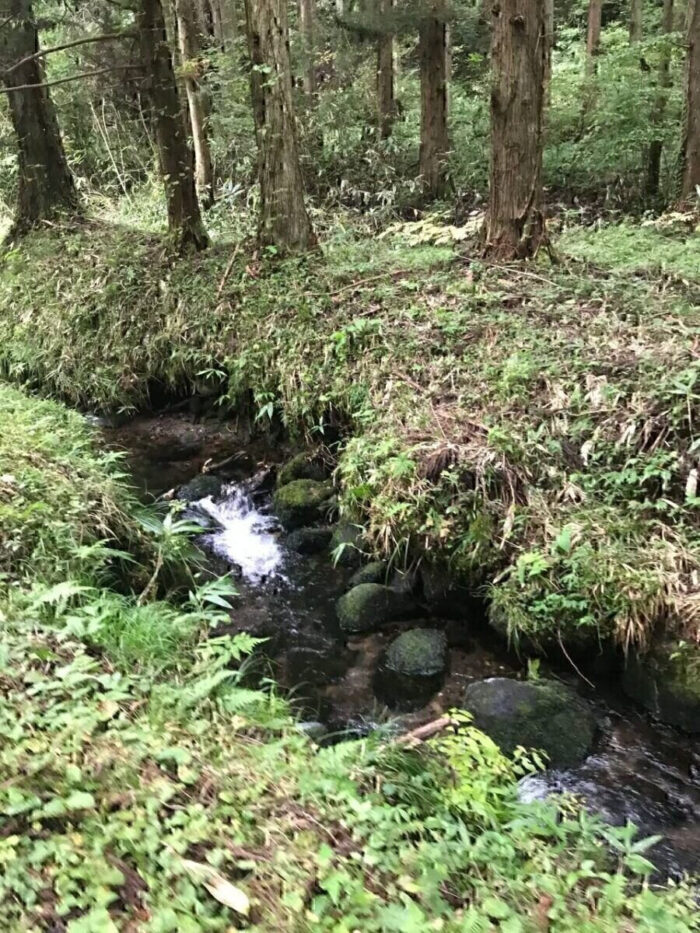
[(426, 731), (107, 37), (78, 77), (227, 271)]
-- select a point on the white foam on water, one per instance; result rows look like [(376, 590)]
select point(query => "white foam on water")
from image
[(247, 538)]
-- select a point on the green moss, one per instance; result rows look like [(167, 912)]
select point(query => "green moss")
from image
[(666, 680), (374, 572), (420, 652), (302, 466), (300, 502), (368, 606)]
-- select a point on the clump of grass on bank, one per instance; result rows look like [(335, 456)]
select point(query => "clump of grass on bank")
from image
[(534, 426), (144, 785)]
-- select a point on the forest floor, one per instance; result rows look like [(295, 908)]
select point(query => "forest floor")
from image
[(535, 425), (146, 784)]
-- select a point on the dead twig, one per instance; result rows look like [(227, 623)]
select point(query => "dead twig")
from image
[(426, 731), (227, 272)]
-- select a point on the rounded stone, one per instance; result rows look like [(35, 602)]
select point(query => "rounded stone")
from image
[(542, 715), (374, 572), (666, 681), (420, 652), (367, 607), (303, 466), (300, 502), (346, 544), (201, 487), (309, 540)]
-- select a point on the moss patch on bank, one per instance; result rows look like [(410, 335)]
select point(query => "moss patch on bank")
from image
[(134, 797), (535, 426)]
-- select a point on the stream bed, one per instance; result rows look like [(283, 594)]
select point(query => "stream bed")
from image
[(638, 771)]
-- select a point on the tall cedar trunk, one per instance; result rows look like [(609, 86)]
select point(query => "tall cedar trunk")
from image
[(283, 221), (191, 49), (595, 14), (307, 24), (635, 21), (519, 50), (690, 152), (385, 74), (549, 33), (45, 186), (434, 138), (227, 22), (659, 108), (174, 153)]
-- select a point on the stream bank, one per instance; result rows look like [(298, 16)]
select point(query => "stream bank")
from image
[(637, 771)]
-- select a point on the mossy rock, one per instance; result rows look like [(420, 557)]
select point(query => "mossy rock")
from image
[(367, 607), (448, 596), (374, 572), (303, 466), (299, 502), (420, 652), (347, 543), (201, 487), (539, 714), (309, 540), (666, 681)]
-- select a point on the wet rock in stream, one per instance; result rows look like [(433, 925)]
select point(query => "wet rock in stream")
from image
[(204, 486), (302, 466), (368, 606), (374, 572), (540, 714), (309, 540), (301, 502), (666, 681), (413, 668), (347, 543)]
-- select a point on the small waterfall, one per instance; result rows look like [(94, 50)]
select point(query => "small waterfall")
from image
[(248, 537)]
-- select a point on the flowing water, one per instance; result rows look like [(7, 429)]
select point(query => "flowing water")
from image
[(639, 771)]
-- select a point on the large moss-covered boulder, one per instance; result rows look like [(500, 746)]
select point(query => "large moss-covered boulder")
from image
[(666, 681), (309, 540), (539, 714), (420, 652), (367, 607), (346, 544), (300, 503), (374, 572), (201, 487), (306, 465)]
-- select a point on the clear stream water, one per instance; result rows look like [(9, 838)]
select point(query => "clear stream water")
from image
[(639, 771)]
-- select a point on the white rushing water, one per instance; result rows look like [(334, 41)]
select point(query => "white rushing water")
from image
[(247, 538)]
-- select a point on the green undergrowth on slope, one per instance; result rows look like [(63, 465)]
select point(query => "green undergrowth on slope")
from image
[(535, 426), (154, 791)]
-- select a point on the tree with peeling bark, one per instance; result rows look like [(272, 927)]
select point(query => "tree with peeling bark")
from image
[(385, 74), (190, 40), (45, 185), (514, 226), (283, 221), (434, 135), (175, 156), (690, 150)]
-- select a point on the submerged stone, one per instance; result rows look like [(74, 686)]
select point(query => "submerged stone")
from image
[(368, 606), (374, 572), (201, 487), (300, 502), (535, 714), (420, 652), (309, 540), (303, 466), (666, 681)]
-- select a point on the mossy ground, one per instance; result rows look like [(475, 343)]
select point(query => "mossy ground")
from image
[(533, 425), (132, 792)]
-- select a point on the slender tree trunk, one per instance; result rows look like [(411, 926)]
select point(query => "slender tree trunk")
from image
[(690, 151), (227, 22), (45, 188), (307, 25), (385, 75), (514, 224), (434, 138), (659, 109), (284, 222), (635, 21), (549, 32), (595, 14), (191, 50), (174, 154)]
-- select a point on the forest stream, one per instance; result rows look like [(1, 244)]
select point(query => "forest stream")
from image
[(639, 771)]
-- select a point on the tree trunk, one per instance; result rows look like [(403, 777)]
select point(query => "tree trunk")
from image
[(635, 21), (659, 109), (174, 154), (549, 33), (434, 139), (283, 221), (690, 151), (45, 187), (514, 224), (191, 50), (227, 22), (307, 25), (385, 75), (595, 14)]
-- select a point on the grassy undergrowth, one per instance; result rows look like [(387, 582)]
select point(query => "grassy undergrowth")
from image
[(142, 795), (535, 426)]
